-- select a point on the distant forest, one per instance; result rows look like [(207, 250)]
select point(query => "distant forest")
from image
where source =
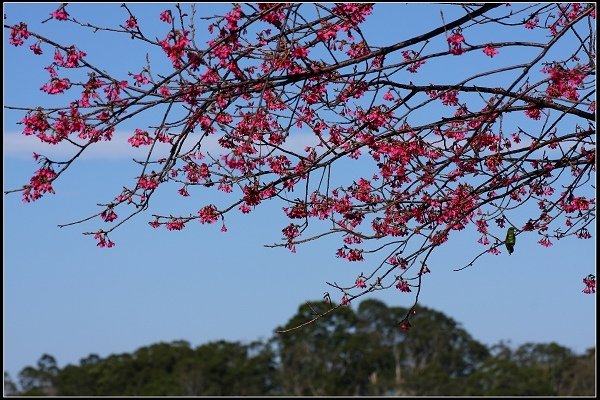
[(362, 352)]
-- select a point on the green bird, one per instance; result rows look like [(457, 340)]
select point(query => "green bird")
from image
[(510, 240)]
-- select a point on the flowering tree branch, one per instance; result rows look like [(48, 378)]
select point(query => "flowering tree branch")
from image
[(435, 157)]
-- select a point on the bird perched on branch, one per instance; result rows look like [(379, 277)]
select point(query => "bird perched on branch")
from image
[(510, 240)]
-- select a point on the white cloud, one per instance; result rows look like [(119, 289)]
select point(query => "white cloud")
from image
[(20, 146)]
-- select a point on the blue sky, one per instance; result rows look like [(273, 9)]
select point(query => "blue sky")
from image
[(66, 297)]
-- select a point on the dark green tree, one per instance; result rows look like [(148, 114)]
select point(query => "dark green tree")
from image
[(579, 377), (432, 358), (384, 352), (510, 373), (367, 352), (40, 381), (324, 358), (228, 369), (10, 387), (439, 354), (551, 358)]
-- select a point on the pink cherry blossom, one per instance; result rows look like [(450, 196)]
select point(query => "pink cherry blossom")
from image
[(60, 14), (490, 50)]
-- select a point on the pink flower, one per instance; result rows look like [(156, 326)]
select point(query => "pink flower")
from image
[(590, 284), (299, 211), (573, 204), (60, 14), (457, 50), (175, 225), (545, 242), (251, 196), (273, 14), (232, 18), (141, 138), (103, 240), (534, 113), (146, 182), (58, 58), (113, 91), (73, 57), (36, 49), (327, 32), (345, 300), (455, 40), (140, 79), (300, 52), (183, 191), (403, 286), (166, 16), (222, 51), (164, 91), (531, 23), (494, 250), (131, 23), (291, 232), (350, 254), (409, 55), (352, 13), (405, 326), (51, 71), (56, 86), (225, 187), (449, 98), (490, 50), (245, 209), (18, 34), (388, 96), (35, 124), (208, 214), (583, 233), (358, 50), (39, 184), (565, 82), (175, 51), (360, 282), (108, 215)]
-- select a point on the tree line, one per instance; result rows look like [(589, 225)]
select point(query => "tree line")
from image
[(350, 352)]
